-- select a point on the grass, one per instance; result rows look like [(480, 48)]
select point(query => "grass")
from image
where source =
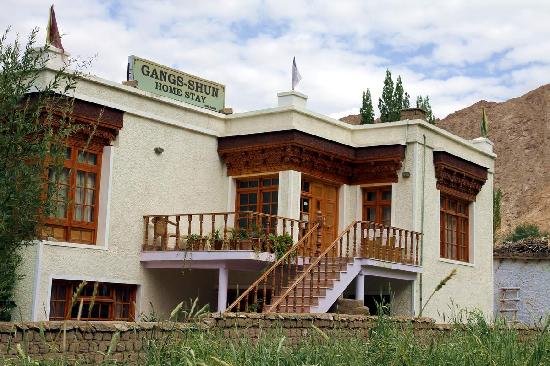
[(472, 343), (388, 343)]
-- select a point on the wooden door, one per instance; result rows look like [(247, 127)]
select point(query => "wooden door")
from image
[(320, 196)]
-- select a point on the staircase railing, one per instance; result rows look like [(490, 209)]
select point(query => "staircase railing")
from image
[(359, 239), (258, 297)]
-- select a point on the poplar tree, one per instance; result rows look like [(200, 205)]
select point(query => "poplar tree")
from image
[(367, 110), (33, 128), (401, 100), (386, 104), (424, 103)]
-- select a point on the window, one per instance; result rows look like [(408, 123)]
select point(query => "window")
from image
[(377, 205), (75, 193), (260, 194), (454, 228), (100, 301)]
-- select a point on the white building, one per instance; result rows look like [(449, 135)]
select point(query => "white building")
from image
[(522, 281), (139, 216)]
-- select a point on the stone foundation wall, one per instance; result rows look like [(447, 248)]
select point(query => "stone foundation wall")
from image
[(124, 341)]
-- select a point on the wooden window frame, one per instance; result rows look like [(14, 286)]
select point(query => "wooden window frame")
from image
[(110, 301), (462, 231), (259, 190), (74, 166), (378, 204)]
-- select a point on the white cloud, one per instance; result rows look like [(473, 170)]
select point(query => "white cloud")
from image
[(471, 50)]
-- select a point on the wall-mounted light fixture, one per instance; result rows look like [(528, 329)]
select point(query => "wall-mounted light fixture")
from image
[(159, 150), (406, 174)]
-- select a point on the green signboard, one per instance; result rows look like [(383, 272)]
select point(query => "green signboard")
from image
[(175, 84)]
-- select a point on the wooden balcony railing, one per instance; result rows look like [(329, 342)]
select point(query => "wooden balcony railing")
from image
[(362, 239), (218, 231), (258, 297)]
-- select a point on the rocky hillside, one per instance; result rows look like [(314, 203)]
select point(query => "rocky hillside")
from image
[(520, 130)]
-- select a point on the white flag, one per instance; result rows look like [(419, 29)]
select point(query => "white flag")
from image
[(296, 77)]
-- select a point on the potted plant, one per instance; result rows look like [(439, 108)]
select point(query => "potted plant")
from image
[(239, 239), (215, 240), (280, 244)]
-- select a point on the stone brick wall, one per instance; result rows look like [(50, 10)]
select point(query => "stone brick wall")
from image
[(123, 341)]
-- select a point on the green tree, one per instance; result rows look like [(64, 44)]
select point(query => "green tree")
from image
[(385, 102), (367, 110), (424, 103), (401, 100), (33, 128)]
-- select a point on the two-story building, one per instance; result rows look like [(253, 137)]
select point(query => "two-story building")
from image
[(172, 201)]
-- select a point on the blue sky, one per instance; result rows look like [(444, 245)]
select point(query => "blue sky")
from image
[(457, 52)]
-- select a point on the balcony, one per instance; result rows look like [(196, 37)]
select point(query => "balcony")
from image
[(234, 235), (218, 231)]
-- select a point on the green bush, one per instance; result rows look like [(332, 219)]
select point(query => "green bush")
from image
[(525, 231)]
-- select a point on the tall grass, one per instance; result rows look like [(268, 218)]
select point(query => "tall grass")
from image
[(388, 343), (472, 342)]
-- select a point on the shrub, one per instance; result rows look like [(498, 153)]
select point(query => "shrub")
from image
[(525, 231)]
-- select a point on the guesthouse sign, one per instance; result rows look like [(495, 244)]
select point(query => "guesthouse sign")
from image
[(171, 83)]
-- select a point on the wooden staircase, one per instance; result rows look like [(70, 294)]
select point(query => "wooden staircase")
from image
[(312, 290), (308, 280)]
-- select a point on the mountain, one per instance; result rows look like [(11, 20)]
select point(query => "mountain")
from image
[(520, 130)]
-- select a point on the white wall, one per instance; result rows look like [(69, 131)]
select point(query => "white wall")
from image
[(532, 277)]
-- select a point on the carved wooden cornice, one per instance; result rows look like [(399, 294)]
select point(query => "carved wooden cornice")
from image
[(458, 177), (100, 122), (325, 159)]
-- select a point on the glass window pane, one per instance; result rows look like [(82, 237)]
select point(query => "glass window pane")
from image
[(386, 195), (266, 182), (253, 183), (89, 214), (266, 196), (79, 196), (386, 215), (305, 204), (452, 205), (371, 214), (274, 196), (243, 199), (104, 311), (305, 186), (90, 197), (275, 181), (253, 198), (371, 196), (90, 180), (77, 213)]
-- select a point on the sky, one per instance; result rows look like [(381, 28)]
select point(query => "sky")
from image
[(456, 52)]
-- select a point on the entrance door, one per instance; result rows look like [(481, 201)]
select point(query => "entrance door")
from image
[(320, 196)]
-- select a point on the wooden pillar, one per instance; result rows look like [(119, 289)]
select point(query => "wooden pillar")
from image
[(223, 284), (319, 234)]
